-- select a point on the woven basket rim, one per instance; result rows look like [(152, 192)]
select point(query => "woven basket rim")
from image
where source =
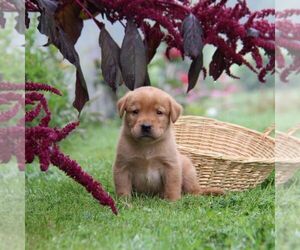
[(226, 157), (237, 159), (227, 123)]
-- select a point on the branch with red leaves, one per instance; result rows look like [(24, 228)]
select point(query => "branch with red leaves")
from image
[(40, 140), (234, 31)]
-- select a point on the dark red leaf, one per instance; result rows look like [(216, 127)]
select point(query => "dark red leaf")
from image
[(81, 93), (194, 71), (63, 30), (153, 37), (192, 36), (67, 16), (110, 60), (133, 57), (217, 65)]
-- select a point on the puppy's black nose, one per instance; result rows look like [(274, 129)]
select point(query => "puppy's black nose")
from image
[(146, 128)]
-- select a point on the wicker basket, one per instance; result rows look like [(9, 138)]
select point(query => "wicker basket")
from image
[(287, 155), (225, 155)]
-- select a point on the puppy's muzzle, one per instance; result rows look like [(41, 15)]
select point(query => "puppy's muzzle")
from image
[(146, 129)]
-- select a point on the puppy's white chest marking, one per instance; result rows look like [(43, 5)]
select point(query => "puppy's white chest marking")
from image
[(153, 177), (147, 180)]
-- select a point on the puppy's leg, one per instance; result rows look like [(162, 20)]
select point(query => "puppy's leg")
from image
[(122, 181), (173, 183), (190, 182)]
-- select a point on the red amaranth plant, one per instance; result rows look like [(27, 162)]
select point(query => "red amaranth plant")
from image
[(40, 140), (176, 23), (186, 25)]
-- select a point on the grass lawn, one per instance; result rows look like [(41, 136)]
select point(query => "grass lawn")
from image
[(60, 214)]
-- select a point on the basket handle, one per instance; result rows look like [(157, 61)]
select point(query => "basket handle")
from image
[(269, 130), (293, 130)]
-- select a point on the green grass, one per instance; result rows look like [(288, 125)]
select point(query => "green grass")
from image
[(60, 214)]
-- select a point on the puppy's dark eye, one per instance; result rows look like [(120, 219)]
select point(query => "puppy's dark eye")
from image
[(135, 111), (159, 112)]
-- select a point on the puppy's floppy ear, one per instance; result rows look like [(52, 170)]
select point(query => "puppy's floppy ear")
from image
[(121, 105), (175, 110)]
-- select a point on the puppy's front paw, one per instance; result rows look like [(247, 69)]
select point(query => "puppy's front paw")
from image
[(172, 197), (124, 196)]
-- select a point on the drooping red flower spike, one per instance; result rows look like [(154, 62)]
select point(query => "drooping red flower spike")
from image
[(40, 140), (33, 86), (73, 170)]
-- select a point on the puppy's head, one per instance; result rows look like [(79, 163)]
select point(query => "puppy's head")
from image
[(148, 112)]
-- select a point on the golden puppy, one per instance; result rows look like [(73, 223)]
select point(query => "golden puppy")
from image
[(147, 159)]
